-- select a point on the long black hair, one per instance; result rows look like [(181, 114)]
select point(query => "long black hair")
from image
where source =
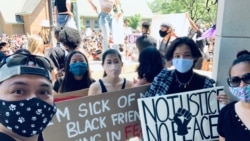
[(68, 81), (150, 63)]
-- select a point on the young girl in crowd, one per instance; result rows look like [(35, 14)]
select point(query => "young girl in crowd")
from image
[(183, 53), (234, 118), (77, 74), (25, 91), (112, 65)]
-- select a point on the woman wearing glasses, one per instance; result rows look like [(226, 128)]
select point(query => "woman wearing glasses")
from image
[(26, 100), (234, 118)]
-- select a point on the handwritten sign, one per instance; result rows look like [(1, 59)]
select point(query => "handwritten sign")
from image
[(110, 116), (188, 116)]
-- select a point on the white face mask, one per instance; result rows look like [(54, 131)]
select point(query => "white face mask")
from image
[(183, 65)]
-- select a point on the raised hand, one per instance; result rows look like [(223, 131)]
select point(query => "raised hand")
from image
[(182, 125)]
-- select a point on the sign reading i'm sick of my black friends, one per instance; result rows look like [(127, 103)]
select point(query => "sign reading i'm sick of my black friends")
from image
[(187, 116), (110, 116)]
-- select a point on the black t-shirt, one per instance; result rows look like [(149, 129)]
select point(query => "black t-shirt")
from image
[(194, 82), (230, 126), (61, 6), (57, 56), (76, 85), (5, 137)]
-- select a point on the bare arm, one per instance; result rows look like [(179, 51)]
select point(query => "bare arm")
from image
[(118, 8), (193, 25), (55, 12), (221, 138), (68, 6), (94, 89), (93, 6)]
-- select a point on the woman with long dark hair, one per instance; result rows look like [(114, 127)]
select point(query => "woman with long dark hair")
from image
[(150, 65), (77, 74), (112, 65)]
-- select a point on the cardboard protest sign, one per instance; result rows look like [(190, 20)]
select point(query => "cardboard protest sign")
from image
[(188, 116), (110, 116), (70, 95)]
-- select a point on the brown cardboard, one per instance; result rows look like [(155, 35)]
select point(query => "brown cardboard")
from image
[(110, 116)]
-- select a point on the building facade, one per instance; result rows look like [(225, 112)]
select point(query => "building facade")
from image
[(29, 16)]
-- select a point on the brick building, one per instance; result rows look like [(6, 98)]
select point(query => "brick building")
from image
[(22, 16)]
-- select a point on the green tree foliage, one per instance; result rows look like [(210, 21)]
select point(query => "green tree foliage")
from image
[(134, 21), (199, 10)]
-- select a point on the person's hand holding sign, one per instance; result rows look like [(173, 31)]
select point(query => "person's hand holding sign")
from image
[(182, 125)]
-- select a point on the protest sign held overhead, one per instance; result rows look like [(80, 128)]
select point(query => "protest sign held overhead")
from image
[(187, 116)]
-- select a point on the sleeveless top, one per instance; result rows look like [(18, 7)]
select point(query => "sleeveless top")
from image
[(107, 4), (104, 88)]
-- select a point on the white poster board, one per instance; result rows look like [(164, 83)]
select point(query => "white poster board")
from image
[(188, 116), (178, 21)]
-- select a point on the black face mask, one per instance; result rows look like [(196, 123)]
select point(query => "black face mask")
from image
[(163, 33)]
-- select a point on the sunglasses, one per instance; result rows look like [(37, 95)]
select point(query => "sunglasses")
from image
[(235, 80), (25, 59)]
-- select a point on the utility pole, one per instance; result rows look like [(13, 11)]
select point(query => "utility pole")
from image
[(51, 22), (76, 13)]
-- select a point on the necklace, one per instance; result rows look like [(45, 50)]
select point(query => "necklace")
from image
[(186, 83)]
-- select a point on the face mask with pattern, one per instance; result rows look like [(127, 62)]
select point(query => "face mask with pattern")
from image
[(26, 117), (242, 94)]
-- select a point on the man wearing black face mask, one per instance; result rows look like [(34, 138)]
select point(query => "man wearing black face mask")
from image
[(166, 32)]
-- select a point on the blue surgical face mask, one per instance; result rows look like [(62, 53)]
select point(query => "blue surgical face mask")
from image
[(183, 65), (78, 68), (242, 94)]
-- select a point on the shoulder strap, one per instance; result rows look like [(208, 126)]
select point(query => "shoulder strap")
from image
[(124, 84), (102, 86)]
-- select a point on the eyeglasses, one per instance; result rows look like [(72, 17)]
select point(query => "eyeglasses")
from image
[(235, 81), (25, 59)]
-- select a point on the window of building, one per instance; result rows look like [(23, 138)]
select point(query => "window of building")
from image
[(19, 19), (87, 23), (96, 23)]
